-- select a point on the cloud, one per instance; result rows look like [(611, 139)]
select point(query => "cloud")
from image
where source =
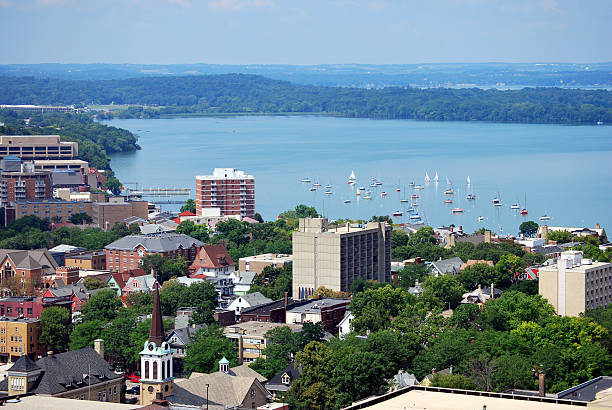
[(236, 5), (182, 3)]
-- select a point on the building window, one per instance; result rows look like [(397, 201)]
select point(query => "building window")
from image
[(146, 369), (154, 370)]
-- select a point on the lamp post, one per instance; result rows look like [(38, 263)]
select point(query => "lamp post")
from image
[(207, 385)]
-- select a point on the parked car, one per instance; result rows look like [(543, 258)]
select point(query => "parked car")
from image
[(134, 377)]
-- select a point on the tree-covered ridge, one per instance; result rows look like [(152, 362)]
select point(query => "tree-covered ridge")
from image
[(95, 140), (240, 93)]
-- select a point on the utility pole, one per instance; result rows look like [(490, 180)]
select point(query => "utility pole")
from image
[(207, 385)]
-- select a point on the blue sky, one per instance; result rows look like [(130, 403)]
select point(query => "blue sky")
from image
[(304, 31)]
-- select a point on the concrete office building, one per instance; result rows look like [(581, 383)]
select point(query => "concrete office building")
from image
[(227, 189), (334, 256), (575, 284), (33, 147)]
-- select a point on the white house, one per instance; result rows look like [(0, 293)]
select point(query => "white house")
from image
[(344, 327), (248, 301)]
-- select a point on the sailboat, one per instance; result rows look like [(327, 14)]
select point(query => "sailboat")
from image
[(351, 180), (448, 182), (524, 211), (468, 180), (427, 179), (436, 178)]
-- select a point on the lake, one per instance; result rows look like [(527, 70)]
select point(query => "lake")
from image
[(562, 171)]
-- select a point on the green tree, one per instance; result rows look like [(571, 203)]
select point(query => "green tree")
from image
[(453, 381), (443, 291), (375, 308), (103, 306), (55, 328), (80, 218), (153, 262), (357, 375), (113, 185), (189, 206), (508, 268), (92, 283), (559, 236), (199, 232), (512, 308), (116, 335), (207, 347), (528, 228), (411, 273), (477, 274), (84, 334), (398, 238)]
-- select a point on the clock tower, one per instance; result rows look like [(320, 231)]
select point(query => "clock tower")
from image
[(156, 369)]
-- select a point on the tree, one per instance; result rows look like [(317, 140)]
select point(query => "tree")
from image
[(453, 381), (199, 232), (443, 291), (411, 273), (56, 325), (357, 375), (116, 335), (301, 211), (92, 283), (375, 308), (559, 236), (113, 185), (80, 218), (153, 262), (101, 306), (508, 268), (173, 268), (189, 206), (274, 282), (512, 308), (207, 347), (258, 217), (528, 228), (323, 292), (398, 238), (382, 218), (84, 334), (477, 274)]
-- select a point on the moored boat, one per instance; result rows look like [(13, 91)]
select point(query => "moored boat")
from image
[(448, 201), (449, 192), (544, 217), (457, 210), (398, 213), (470, 197)]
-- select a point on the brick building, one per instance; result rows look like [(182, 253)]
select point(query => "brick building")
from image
[(229, 190), (126, 253), (31, 306), (18, 337), (107, 214), (212, 260), (95, 260), (23, 270), (24, 185), (328, 312)]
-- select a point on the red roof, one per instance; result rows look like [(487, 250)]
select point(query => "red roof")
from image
[(177, 220), (187, 213), (212, 256)]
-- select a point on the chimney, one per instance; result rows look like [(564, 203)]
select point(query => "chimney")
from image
[(542, 384), (99, 347), (487, 236), (597, 226), (451, 228), (492, 292), (286, 298)]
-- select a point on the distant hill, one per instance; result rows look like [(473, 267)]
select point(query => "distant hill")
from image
[(241, 93)]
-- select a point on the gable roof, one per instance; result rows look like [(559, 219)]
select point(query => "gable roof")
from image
[(24, 364), (254, 299), (216, 257), (224, 389), (245, 278), (184, 335), (276, 382), (451, 265), (30, 259), (146, 282), (160, 242)]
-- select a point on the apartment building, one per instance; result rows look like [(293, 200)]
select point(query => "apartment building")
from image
[(34, 147), (257, 263), (25, 184), (250, 338), (334, 256), (19, 337), (31, 306), (576, 284), (126, 253), (227, 189), (95, 260)]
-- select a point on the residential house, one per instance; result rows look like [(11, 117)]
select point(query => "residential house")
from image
[(77, 293), (248, 301), (282, 382), (329, 312), (212, 260), (403, 379), (273, 312), (481, 295), (417, 289), (250, 338), (344, 327), (472, 262), (427, 379), (179, 340), (125, 254), (242, 281), (236, 387), (450, 266), (223, 285), (76, 374), (25, 267), (549, 251), (135, 284), (597, 231)]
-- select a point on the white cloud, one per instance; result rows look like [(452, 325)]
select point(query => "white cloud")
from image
[(235, 5)]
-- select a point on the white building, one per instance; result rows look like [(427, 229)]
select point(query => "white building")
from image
[(344, 327)]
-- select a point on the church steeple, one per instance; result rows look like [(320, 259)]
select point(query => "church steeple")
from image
[(157, 326)]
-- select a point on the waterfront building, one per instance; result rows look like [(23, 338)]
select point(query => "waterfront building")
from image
[(334, 256), (25, 184), (126, 253), (38, 108), (229, 190), (35, 147), (575, 284), (257, 263)]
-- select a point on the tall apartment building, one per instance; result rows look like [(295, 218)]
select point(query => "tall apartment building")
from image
[(227, 189), (33, 147), (334, 256), (25, 184), (576, 284)]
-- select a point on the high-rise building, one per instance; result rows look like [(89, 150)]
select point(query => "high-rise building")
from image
[(227, 191), (33, 147), (334, 256), (576, 284), (25, 184)]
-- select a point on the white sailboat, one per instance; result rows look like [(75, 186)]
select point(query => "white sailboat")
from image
[(351, 180), (436, 178), (448, 182), (427, 179), (468, 180)]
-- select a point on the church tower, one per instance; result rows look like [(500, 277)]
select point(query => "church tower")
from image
[(156, 369)]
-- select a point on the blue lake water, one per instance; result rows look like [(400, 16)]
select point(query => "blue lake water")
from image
[(562, 171)]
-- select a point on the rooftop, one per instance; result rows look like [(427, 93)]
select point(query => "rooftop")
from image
[(316, 305), (161, 242), (226, 173), (257, 328), (268, 257)]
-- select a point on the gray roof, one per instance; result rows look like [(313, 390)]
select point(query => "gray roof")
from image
[(148, 229), (317, 304), (404, 379), (24, 364), (276, 383), (246, 278), (586, 391), (184, 335), (161, 242), (451, 265), (64, 371), (66, 178), (255, 299), (547, 249), (32, 259), (63, 248)]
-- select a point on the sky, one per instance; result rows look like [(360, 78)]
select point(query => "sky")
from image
[(304, 31)]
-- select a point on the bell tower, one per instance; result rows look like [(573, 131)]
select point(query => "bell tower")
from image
[(156, 369)]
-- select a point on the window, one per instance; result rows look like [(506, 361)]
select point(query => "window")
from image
[(154, 370), (146, 369)]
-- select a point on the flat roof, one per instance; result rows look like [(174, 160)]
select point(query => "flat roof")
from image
[(268, 257), (316, 305), (254, 328), (579, 268), (56, 403)]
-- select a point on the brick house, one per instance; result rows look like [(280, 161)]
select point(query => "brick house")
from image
[(20, 269), (212, 260), (31, 306), (125, 254)]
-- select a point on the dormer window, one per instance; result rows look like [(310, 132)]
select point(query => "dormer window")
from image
[(285, 379)]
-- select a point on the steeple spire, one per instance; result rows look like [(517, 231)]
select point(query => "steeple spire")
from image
[(157, 326)]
